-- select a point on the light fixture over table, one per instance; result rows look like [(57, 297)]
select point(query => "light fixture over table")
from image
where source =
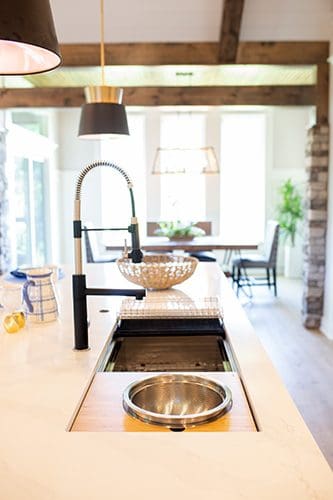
[(28, 41), (185, 161), (103, 115)]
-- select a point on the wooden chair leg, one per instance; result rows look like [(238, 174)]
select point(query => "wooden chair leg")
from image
[(274, 281)]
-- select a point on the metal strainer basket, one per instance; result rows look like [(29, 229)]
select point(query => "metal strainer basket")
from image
[(177, 400)]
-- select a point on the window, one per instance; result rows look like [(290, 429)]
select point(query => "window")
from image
[(30, 211), (182, 195), (129, 154), (28, 158), (243, 156)]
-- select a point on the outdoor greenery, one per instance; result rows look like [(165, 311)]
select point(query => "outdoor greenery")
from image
[(178, 229), (290, 210)]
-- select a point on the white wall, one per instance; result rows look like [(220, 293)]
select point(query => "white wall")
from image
[(287, 141), (73, 155), (189, 20), (286, 20), (138, 21), (288, 128), (53, 191)]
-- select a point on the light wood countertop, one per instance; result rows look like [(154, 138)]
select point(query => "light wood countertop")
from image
[(102, 408), (42, 381)]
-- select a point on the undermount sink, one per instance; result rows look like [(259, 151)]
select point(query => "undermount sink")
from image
[(177, 400)]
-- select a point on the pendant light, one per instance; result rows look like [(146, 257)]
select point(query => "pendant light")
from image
[(185, 161), (103, 115), (28, 41)]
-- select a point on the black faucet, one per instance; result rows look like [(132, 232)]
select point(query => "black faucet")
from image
[(80, 290)]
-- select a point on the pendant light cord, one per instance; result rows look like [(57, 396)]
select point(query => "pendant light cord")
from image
[(102, 42)]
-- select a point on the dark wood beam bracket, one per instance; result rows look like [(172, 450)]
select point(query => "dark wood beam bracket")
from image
[(140, 54), (322, 94), (230, 30), (282, 52), (195, 53)]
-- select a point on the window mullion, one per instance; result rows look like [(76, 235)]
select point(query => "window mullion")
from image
[(32, 212)]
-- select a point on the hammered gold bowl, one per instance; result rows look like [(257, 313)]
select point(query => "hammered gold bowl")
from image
[(158, 271)]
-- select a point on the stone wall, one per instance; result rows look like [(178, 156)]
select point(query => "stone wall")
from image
[(315, 225)]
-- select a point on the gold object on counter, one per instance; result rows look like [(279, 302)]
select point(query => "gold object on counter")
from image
[(14, 322)]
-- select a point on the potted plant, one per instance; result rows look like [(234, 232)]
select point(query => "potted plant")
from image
[(177, 230), (290, 213)]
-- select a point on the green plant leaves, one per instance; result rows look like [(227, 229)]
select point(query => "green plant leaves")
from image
[(290, 210), (174, 229)]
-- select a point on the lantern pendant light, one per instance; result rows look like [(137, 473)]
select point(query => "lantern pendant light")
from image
[(104, 114), (200, 160), (28, 41)]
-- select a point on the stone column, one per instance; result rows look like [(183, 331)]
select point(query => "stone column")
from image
[(315, 225), (4, 233)]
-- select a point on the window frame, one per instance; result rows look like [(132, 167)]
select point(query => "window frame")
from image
[(24, 144)]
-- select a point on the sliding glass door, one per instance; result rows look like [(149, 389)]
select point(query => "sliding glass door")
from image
[(30, 224)]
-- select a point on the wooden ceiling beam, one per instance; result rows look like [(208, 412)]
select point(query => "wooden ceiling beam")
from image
[(282, 52), (322, 94), (140, 54), (230, 30), (195, 53), (165, 96)]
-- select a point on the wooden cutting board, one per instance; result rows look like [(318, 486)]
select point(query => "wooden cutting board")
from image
[(102, 408)]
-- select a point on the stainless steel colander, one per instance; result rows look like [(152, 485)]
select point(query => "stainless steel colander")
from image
[(177, 400)]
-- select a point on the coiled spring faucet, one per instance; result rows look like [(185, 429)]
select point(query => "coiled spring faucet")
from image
[(80, 290)]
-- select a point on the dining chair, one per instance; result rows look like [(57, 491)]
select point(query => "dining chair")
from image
[(204, 256), (265, 260), (92, 249)]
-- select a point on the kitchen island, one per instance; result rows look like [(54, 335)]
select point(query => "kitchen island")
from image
[(43, 381)]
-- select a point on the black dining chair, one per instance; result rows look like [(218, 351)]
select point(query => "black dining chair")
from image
[(202, 255), (266, 260)]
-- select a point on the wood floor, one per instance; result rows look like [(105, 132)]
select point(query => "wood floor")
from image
[(303, 358)]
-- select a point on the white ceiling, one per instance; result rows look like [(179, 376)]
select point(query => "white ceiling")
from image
[(77, 21)]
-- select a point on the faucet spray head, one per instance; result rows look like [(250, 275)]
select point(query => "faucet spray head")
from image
[(136, 253)]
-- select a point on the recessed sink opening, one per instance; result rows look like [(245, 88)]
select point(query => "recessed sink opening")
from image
[(170, 391), (167, 346)]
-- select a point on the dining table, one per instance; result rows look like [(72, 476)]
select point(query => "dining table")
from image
[(198, 244)]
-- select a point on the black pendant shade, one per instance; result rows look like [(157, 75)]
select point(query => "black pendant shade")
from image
[(102, 119), (103, 115), (28, 41)]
